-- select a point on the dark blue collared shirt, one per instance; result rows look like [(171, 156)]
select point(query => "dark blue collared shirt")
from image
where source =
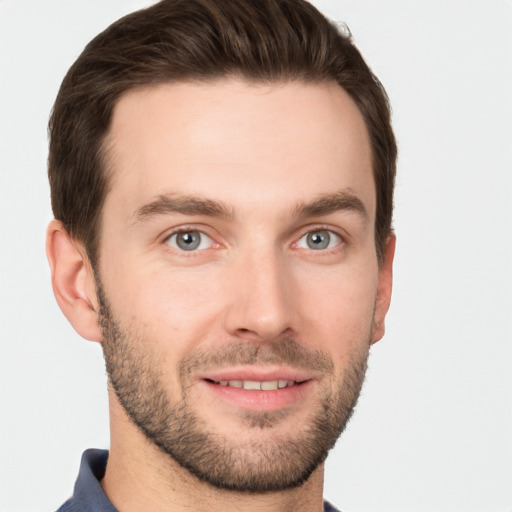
[(88, 495)]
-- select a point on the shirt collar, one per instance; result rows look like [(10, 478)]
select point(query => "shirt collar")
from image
[(88, 493)]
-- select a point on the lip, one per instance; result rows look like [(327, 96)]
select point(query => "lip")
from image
[(258, 374), (258, 400)]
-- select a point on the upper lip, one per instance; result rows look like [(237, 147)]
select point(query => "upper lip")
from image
[(258, 374)]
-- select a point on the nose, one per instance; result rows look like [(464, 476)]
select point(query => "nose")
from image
[(261, 305)]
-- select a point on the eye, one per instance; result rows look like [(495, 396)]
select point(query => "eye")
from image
[(319, 240), (192, 240)]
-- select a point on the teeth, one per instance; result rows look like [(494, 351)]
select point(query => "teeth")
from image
[(269, 385), (252, 384)]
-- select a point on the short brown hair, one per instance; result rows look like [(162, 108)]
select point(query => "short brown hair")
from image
[(177, 40)]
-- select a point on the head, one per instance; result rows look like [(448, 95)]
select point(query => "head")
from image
[(222, 172)]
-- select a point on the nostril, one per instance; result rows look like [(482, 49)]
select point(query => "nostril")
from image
[(263, 336)]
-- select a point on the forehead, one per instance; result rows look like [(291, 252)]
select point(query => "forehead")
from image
[(251, 145)]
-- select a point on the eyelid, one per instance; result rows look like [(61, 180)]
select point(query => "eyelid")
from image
[(204, 231), (312, 229), (186, 229), (337, 230)]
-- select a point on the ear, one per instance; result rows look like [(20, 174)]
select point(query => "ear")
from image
[(384, 288), (73, 281)]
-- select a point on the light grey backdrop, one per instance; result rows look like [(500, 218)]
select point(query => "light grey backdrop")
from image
[(433, 430)]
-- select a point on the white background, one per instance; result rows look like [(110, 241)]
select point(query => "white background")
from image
[(433, 430)]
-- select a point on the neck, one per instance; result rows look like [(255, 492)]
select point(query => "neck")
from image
[(140, 476)]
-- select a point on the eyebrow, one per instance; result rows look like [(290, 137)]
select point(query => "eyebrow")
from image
[(195, 205), (343, 200), (185, 205)]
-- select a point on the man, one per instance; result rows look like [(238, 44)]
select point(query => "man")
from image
[(222, 179)]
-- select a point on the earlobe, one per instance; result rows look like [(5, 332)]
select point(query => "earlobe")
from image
[(72, 281), (385, 286)]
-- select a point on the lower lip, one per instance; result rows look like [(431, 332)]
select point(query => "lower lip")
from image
[(255, 400)]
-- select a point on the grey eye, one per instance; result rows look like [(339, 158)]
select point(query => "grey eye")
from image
[(319, 240), (189, 240)]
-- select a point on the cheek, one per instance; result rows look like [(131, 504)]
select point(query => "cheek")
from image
[(341, 306), (167, 304)]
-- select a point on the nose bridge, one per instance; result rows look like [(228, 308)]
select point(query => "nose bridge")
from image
[(260, 304)]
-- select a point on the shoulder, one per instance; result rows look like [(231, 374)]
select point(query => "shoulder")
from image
[(69, 506)]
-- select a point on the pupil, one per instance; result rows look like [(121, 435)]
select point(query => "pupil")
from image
[(318, 240)]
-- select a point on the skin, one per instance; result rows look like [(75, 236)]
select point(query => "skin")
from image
[(263, 152)]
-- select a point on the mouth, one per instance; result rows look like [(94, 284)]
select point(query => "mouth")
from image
[(257, 385), (258, 390)]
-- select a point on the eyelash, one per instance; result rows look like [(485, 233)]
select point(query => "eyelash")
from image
[(316, 229), (187, 229)]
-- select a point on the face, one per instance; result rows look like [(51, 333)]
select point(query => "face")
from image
[(238, 277)]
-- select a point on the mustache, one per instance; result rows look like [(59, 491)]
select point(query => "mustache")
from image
[(281, 352)]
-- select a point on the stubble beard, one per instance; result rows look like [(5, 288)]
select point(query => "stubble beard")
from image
[(256, 466)]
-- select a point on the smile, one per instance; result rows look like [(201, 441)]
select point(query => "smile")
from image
[(255, 385), (258, 390)]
